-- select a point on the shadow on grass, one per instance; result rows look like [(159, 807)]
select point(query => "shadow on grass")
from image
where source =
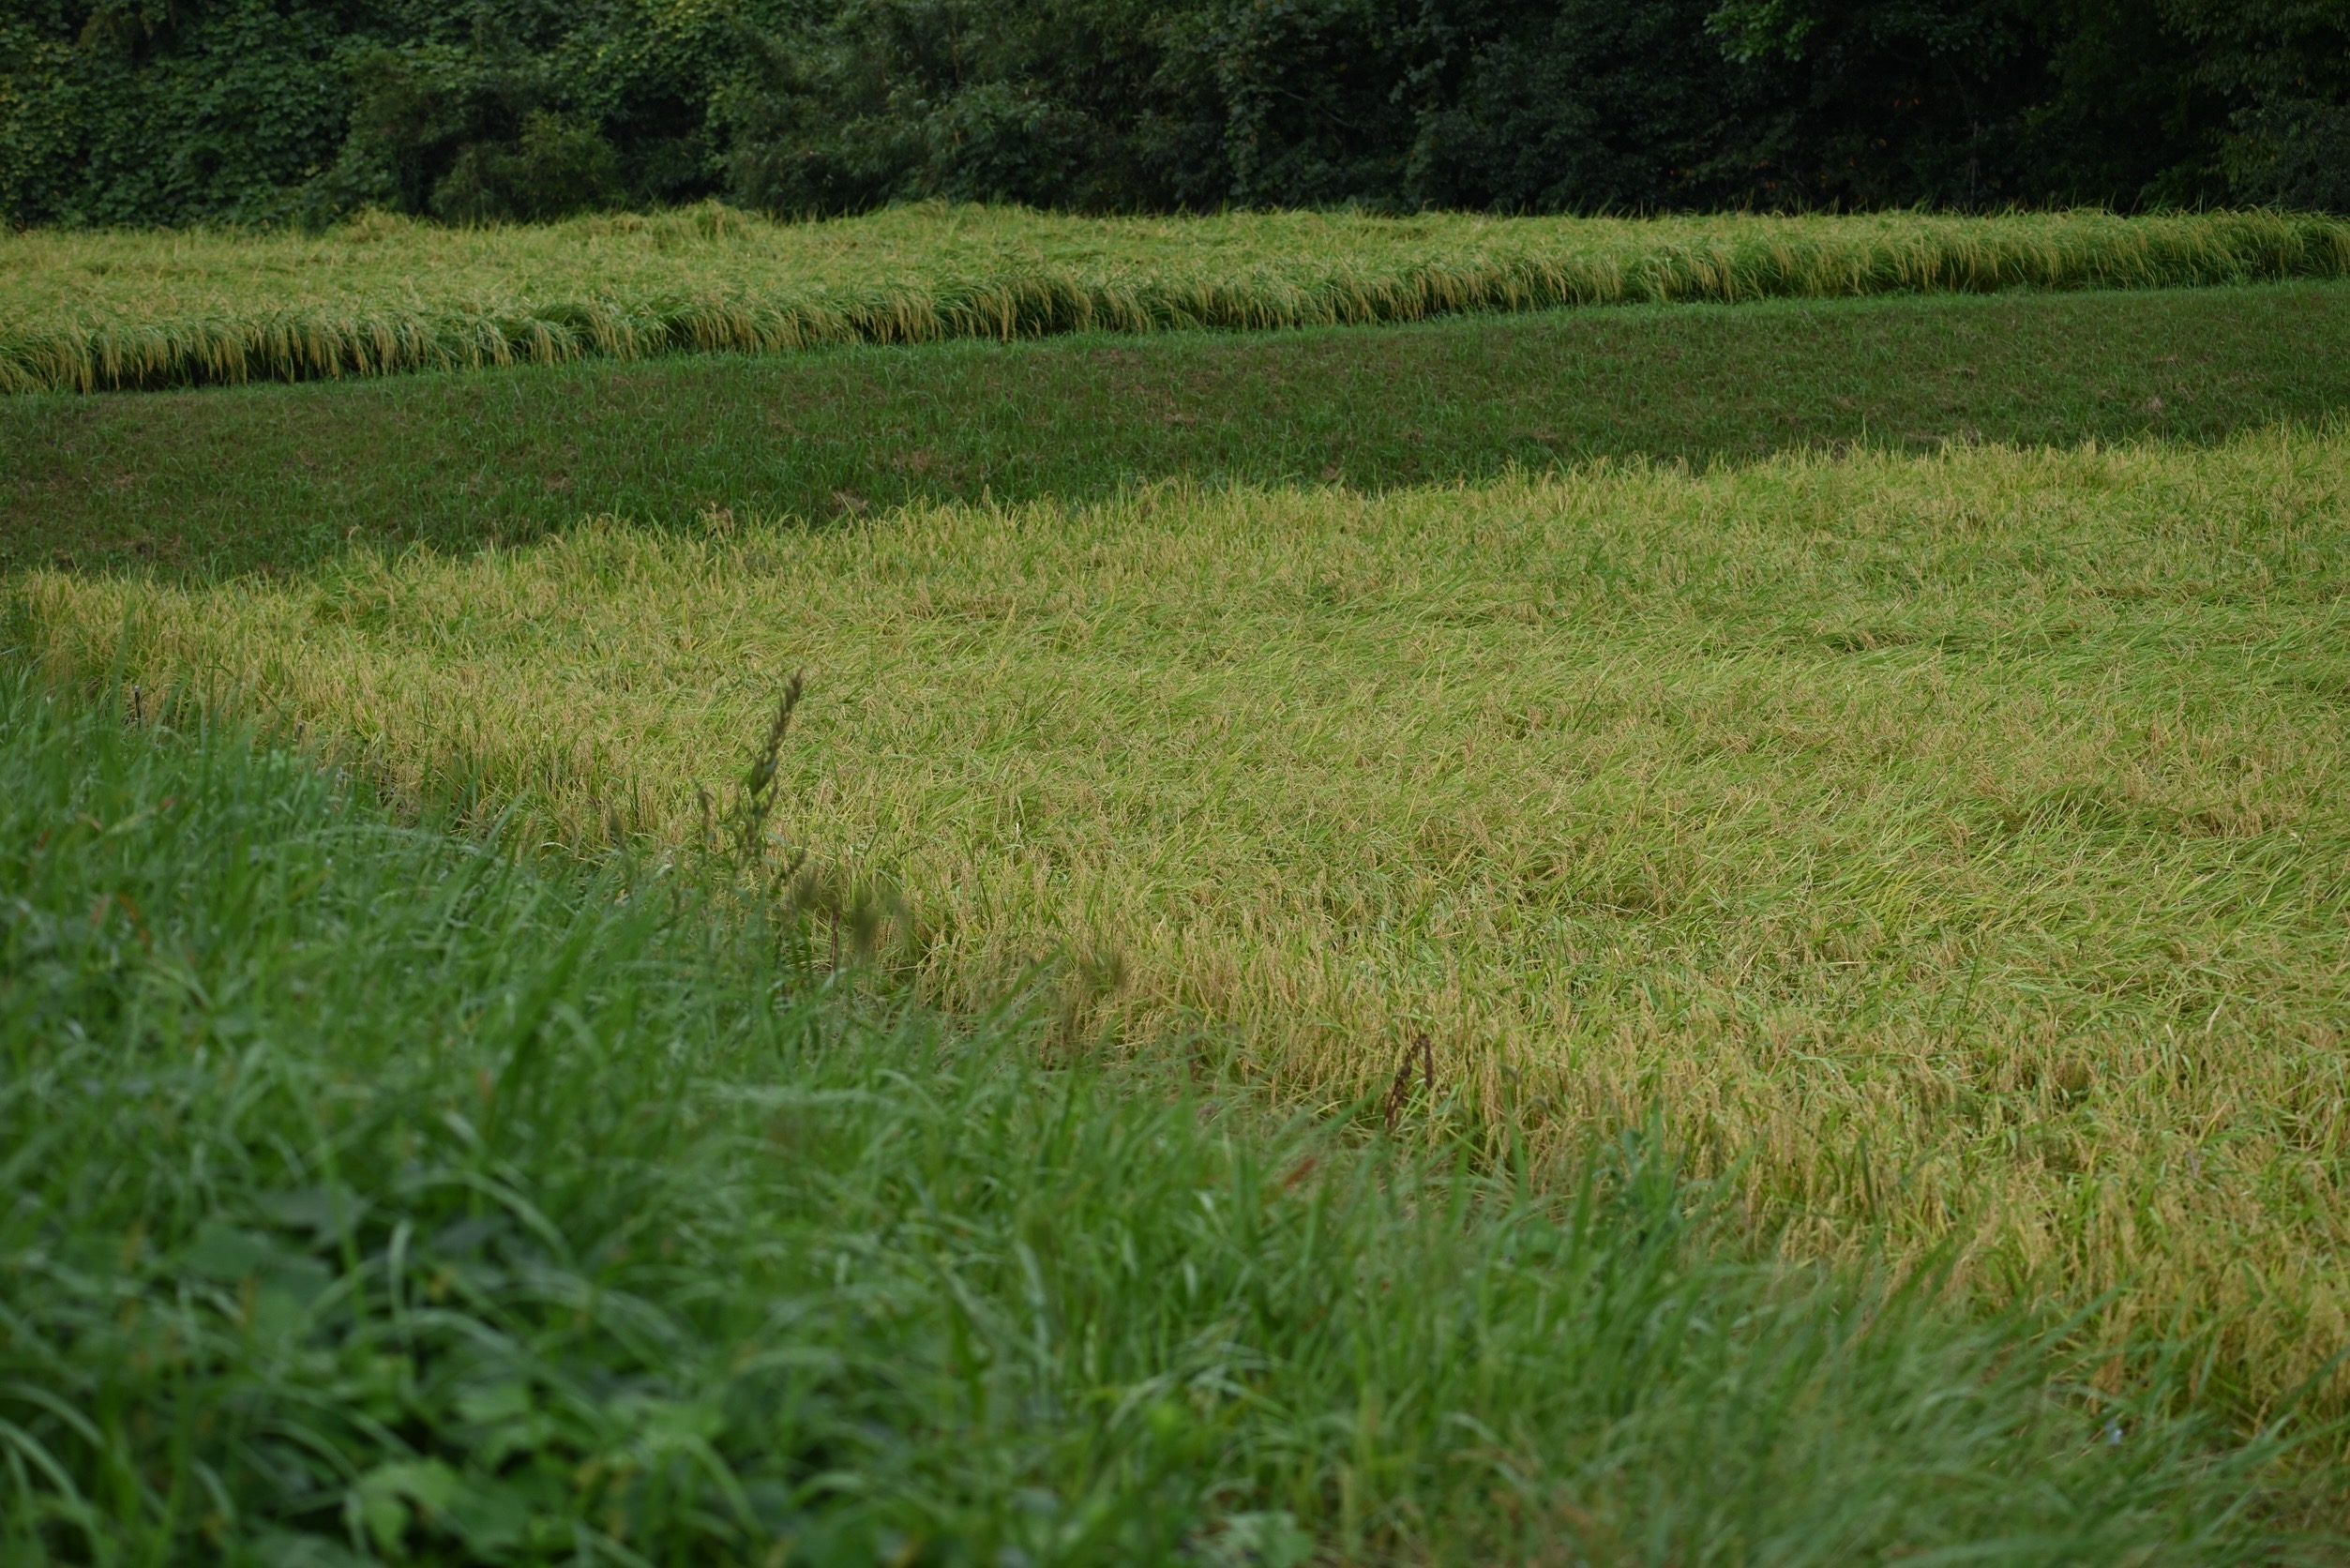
[(274, 478)]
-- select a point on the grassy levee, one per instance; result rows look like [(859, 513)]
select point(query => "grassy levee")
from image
[(81, 312), (1955, 851), (380, 1196), (278, 477)]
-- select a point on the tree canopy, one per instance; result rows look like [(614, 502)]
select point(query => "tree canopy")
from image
[(144, 112)]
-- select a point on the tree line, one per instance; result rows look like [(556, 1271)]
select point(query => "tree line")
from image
[(175, 111)]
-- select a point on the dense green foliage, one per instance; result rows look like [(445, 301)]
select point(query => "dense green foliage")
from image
[(279, 477), (378, 1196), (178, 111)]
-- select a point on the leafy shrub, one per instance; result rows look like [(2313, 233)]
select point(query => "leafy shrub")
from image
[(557, 167)]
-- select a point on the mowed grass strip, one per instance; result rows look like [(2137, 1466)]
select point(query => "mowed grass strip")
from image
[(81, 312), (1954, 849), (277, 478), (380, 1196)]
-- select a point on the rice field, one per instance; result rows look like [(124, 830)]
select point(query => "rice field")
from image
[(87, 311), (1952, 851), (379, 1195)]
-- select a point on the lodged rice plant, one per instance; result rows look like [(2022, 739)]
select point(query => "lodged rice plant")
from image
[(87, 311), (1954, 851)]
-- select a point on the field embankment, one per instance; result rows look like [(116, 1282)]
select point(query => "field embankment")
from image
[(1954, 849), (81, 312), (376, 1196), (276, 478)]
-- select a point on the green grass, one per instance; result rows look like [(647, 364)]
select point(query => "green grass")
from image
[(1954, 851), (80, 312), (378, 1195), (282, 477)]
